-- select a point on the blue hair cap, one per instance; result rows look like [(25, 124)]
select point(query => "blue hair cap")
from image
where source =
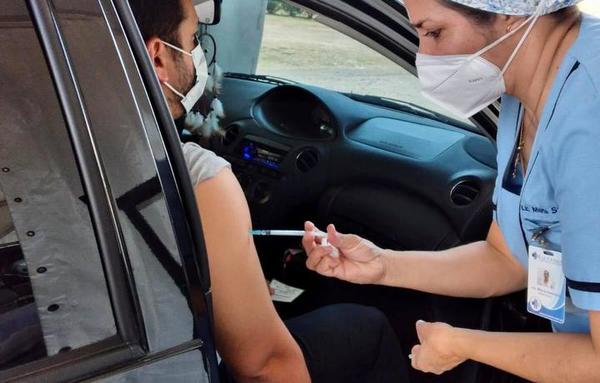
[(517, 7)]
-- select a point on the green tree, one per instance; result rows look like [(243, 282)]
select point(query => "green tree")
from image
[(282, 7), (273, 6)]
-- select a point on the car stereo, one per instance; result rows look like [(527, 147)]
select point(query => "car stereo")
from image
[(262, 154)]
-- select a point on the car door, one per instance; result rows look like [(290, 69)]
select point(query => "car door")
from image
[(103, 273)]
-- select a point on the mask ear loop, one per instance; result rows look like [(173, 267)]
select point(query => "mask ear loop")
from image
[(531, 20), (174, 90), (503, 38), (166, 83), (536, 17), (175, 47)]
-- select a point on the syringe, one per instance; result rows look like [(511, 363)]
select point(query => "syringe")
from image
[(286, 233), (295, 233)]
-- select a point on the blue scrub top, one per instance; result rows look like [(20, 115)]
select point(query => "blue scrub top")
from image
[(561, 190)]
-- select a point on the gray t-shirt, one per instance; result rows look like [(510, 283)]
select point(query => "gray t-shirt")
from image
[(202, 163)]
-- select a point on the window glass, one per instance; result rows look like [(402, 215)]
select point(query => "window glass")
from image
[(53, 293), (115, 96), (591, 7), (7, 230), (297, 47)]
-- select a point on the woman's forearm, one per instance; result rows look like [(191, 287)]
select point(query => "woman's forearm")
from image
[(476, 270), (545, 357)]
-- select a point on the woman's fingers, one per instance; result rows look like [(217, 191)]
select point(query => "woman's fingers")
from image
[(309, 226), (414, 356), (333, 235), (315, 256), (308, 240), (344, 242), (327, 266), (322, 259)]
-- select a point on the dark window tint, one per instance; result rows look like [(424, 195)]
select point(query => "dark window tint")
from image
[(53, 293)]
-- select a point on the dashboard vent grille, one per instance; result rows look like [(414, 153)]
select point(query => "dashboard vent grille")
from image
[(232, 132), (465, 193), (307, 160)]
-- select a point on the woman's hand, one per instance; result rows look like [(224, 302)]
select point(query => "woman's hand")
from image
[(347, 257), (438, 349)]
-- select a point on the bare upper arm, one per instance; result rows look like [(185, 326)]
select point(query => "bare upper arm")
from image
[(496, 239), (595, 330), (248, 329)]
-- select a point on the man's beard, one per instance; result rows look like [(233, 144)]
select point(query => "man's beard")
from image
[(183, 84), (186, 80)]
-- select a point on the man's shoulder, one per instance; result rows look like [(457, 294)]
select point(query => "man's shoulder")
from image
[(202, 163)]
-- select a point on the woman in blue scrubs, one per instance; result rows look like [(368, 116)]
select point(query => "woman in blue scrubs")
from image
[(543, 59)]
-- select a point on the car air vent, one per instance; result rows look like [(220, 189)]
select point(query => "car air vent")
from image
[(465, 193), (231, 134), (307, 160)]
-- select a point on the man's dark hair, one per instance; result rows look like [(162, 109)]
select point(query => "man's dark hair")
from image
[(159, 18)]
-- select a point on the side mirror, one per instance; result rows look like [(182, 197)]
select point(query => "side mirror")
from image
[(208, 11)]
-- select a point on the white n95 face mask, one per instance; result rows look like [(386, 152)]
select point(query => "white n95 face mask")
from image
[(193, 95), (467, 84)]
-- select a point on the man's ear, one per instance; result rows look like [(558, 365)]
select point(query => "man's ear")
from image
[(157, 52)]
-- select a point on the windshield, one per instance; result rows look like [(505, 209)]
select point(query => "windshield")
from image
[(308, 48)]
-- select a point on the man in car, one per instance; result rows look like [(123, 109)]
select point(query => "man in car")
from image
[(342, 343)]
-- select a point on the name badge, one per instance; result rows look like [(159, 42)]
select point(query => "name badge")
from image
[(546, 287)]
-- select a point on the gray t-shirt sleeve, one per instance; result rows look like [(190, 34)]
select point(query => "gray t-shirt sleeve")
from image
[(202, 163)]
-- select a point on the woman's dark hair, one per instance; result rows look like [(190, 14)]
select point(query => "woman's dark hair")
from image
[(158, 18), (486, 18)]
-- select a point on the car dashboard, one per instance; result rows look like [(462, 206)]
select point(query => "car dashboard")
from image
[(405, 180)]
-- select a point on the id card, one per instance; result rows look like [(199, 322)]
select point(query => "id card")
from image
[(283, 292), (546, 287)]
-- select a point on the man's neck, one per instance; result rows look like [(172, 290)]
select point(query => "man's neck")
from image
[(534, 70)]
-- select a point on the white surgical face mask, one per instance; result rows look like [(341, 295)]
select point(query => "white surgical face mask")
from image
[(191, 98), (467, 84)]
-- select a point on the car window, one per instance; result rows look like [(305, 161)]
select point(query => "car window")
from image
[(116, 100), (590, 6), (45, 219), (296, 46)]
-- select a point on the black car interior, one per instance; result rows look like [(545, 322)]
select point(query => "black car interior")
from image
[(21, 337), (392, 172)]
